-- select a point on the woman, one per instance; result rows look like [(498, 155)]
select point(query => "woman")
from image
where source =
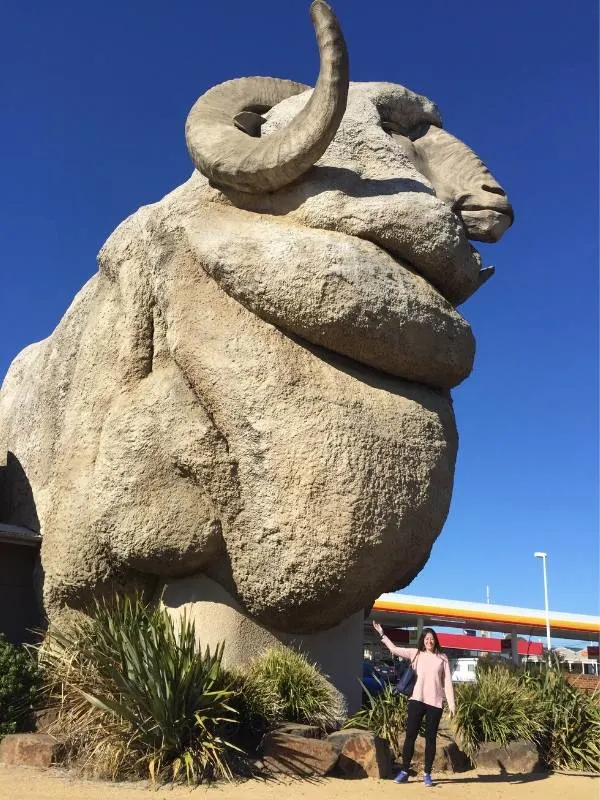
[(433, 681)]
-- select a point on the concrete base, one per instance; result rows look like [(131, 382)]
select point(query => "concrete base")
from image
[(219, 618)]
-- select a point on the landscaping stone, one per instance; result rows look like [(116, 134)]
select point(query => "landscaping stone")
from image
[(362, 754), (458, 761), (29, 750), (298, 755), (517, 758), (297, 729)]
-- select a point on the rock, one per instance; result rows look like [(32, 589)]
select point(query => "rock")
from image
[(298, 755), (29, 750), (297, 729), (362, 754), (458, 761), (517, 758)]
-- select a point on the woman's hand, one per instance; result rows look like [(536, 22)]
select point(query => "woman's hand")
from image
[(378, 628)]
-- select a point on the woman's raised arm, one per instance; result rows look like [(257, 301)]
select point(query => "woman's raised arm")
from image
[(401, 652)]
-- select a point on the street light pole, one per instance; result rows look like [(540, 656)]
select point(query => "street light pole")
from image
[(543, 556)]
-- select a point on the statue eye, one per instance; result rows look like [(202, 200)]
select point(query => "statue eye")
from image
[(393, 127), (412, 133), (418, 131)]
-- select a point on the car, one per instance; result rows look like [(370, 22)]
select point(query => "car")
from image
[(376, 677)]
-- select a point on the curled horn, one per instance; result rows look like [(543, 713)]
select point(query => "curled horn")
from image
[(229, 157)]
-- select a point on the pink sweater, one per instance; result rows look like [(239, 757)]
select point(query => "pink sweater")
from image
[(433, 675)]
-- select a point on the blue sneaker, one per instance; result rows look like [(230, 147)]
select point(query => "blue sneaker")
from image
[(401, 777), (427, 779)]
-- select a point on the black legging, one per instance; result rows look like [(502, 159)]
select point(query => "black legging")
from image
[(416, 712)]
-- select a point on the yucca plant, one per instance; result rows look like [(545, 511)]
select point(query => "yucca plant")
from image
[(571, 721), (135, 693), (384, 713), (300, 691), (498, 707)]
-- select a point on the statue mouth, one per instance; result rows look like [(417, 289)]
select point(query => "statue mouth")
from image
[(485, 222), (485, 225), (504, 208)]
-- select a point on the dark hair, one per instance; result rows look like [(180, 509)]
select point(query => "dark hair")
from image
[(436, 641)]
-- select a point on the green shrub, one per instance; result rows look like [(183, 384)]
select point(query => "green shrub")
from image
[(282, 684), (259, 708), (384, 714), (536, 703), (498, 707), (136, 695), (570, 719), (19, 683)]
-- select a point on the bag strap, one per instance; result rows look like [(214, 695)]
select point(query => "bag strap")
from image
[(413, 660)]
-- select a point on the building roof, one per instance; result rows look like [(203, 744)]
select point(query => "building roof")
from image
[(15, 534), (404, 609)]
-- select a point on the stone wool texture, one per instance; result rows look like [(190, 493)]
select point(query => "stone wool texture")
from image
[(254, 387)]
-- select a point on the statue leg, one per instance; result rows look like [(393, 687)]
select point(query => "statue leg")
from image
[(219, 618)]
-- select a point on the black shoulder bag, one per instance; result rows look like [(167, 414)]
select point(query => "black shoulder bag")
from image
[(406, 682)]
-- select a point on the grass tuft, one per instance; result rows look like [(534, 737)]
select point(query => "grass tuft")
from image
[(285, 685)]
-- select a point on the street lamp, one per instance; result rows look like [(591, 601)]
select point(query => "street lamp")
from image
[(543, 556)]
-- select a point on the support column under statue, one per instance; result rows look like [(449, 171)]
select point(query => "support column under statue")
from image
[(219, 618)]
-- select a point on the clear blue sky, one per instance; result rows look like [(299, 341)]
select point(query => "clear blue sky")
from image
[(94, 99)]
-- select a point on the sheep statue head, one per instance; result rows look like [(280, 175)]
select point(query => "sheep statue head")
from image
[(254, 388)]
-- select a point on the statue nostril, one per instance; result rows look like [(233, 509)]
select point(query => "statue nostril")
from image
[(493, 189)]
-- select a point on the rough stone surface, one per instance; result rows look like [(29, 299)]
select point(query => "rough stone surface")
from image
[(169, 441), (255, 388), (297, 729), (29, 750), (457, 760), (394, 320), (298, 755), (518, 758), (362, 754)]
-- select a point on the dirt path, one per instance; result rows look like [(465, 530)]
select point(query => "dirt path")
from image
[(21, 783)]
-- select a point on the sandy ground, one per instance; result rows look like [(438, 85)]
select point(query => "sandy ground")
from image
[(22, 783)]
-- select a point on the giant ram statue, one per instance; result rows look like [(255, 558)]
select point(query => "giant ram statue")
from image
[(247, 409)]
